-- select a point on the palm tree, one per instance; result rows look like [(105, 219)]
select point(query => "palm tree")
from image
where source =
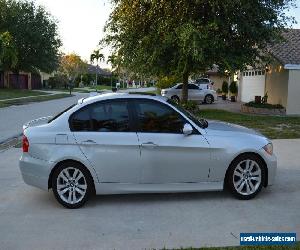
[(98, 57)]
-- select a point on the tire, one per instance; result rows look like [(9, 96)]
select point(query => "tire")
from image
[(209, 99), (175, 98), (245, 176), (72, 184)]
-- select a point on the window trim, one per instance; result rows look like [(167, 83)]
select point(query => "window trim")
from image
[(88, 106), (136, 122)]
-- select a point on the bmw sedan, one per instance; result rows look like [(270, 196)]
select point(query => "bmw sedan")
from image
[(125, 143), (196, 92)]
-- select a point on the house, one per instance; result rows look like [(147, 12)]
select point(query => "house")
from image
[(23, 80), (280, 80)]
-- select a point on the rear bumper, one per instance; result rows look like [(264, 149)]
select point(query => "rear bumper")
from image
[(35, 172)]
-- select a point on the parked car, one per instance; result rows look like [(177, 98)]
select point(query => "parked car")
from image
[(195, 93), (125, 143)]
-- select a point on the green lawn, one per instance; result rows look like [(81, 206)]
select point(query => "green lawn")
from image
[(274, 127), (15, 93), (100, 87), (32, 99), (296, 246)]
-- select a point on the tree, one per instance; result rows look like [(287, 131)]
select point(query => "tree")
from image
[(72, 66), (182, 37), (34, 35), (8, 52), (98, 57)]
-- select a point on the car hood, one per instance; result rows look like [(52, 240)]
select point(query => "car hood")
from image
[(217, 126)]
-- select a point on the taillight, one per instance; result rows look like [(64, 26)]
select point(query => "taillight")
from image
[(25, 144)]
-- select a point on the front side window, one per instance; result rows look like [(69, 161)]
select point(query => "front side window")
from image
[(179, 86), (155, 117), (111, 116)]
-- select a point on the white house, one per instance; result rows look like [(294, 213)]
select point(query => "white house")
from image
[(280, 80)]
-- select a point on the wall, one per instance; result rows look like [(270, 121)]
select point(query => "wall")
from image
[(293, 102), (277, 85), (218, 81)]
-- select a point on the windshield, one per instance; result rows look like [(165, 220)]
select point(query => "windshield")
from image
[(59, 114), (202, 123)]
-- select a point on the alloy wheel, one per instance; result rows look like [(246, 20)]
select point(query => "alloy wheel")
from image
[(247, 177), (71, 185)]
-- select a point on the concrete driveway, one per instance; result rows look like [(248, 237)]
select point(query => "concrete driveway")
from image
[(32, 219)]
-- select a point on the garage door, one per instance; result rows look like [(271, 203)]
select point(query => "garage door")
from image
[(253, 83)]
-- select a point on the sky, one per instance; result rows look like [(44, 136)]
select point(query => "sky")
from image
[(81, 23)]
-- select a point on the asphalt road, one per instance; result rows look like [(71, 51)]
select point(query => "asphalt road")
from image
[(32, 219), (12, 118)]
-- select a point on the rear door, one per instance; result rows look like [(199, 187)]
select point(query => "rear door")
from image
[(104, 133)]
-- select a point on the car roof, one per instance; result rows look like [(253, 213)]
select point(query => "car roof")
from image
[(109, 96)]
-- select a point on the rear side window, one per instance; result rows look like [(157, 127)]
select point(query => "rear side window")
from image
[(193, 86), (155, 117), (179, 86), (110, 116), (80, 121), (107, 116)]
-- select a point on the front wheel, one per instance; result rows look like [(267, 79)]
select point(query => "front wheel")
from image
[(246, 176), (71, 184)]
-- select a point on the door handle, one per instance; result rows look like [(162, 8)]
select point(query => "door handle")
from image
[(149, 145), (89, 142)]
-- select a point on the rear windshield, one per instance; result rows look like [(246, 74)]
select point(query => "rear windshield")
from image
[(59, 114)]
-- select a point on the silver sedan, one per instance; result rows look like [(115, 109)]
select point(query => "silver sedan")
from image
[(196, 92), (124, 143)]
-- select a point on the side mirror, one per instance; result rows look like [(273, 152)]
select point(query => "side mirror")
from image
[(187, 129)]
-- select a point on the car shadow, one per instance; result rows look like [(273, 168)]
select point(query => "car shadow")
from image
[(157, 198)]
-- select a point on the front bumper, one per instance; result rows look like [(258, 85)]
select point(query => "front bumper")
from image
[(35, 172), (271, 161)]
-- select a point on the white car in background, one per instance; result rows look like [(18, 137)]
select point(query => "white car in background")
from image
[(196, 92)]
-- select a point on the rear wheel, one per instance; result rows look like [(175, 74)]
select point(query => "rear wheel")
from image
[(72, 184), (246, 176), (209, 99), (175, 98)]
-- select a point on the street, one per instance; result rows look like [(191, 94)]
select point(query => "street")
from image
[(32, 219), (12, 118)]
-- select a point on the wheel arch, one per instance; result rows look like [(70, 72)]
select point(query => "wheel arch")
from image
[(68, 161), (213, 99), (265, 181)]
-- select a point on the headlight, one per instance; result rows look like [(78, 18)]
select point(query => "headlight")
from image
[(269, 148)]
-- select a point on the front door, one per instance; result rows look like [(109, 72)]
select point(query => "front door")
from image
[(168, 156), (103, 132)]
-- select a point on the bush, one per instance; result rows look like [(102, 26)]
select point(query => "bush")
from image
[(233, 88), (264, 105), (167, 82), (225, 87), (191, 106), (58, 81), (219, 91)]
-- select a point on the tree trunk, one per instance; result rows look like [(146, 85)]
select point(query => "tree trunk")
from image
[(184, 92)]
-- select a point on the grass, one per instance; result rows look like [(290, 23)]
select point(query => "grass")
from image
[(16, 93), (79, 90), (32, 99), (296, 246), (274, 127), (100, 87)]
